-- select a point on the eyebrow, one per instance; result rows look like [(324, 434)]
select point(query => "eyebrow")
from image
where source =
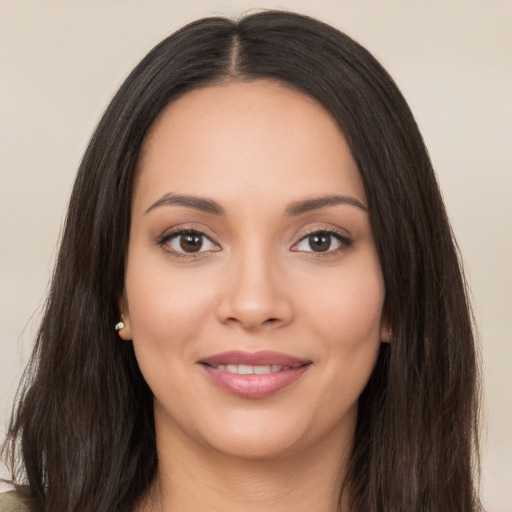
[(300, 207), (295, 208), (197, 203)]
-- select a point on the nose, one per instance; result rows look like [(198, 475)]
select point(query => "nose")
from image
[(254, 295)]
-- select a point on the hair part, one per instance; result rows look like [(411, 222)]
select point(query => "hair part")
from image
[(83, 429)]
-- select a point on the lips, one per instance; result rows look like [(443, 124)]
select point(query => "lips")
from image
[(254, 374)]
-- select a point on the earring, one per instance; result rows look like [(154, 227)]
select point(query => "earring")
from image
[(119, 326)]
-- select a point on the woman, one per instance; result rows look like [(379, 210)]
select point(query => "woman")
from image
[(257, 217)]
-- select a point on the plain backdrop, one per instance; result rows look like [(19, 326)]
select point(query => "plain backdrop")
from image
[(61, 62)]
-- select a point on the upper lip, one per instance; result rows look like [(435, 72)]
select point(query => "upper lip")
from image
[(261, 358)]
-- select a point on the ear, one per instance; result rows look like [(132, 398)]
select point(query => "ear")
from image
[(385, 331), (125, 332)]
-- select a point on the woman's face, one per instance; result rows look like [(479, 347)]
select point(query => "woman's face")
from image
[(253, 290)]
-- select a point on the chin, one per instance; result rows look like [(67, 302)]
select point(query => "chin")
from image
[(266, 432)]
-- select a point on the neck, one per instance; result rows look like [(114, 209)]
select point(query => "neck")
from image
[(195, 477)]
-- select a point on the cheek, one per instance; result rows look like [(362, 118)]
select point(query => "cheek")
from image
[(161, 296), (167, 312), (348, 304), (354, 315), (347, 320)]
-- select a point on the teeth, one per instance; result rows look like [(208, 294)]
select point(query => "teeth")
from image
[(260, 370), (245, 369)]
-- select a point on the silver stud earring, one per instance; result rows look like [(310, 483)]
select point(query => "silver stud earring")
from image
[(119, 326)]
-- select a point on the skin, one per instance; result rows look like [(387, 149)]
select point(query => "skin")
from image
[(257, 283)]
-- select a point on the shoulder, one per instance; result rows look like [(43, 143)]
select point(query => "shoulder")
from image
[(12, 502)]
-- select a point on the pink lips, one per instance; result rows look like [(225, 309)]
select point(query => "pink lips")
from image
[(273, 371)]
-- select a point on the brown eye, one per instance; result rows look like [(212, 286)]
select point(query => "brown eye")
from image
[(320, 242), (191, 242)]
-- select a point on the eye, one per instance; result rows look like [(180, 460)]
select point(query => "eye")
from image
[(322, 242), (188, 242)]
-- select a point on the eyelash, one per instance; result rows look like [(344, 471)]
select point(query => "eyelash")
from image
[(170, 235), (164, 240), (345, 242)]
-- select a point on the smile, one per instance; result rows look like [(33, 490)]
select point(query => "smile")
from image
[(245, 369), (253, 375)]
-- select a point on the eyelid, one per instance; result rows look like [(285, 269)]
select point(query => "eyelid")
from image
[(338, 234), (175, 232)]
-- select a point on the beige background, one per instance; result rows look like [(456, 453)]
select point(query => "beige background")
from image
[(60, 63)]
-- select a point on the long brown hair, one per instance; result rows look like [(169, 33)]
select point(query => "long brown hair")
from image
[(82, 435)]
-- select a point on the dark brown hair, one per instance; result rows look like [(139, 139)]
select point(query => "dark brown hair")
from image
[(82, 434)]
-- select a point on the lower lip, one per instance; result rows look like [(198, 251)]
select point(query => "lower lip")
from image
[(255, 386)]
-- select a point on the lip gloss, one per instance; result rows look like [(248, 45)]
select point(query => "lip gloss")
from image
[(254, 375)]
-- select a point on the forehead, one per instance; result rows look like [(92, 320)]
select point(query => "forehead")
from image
[(225, 140)]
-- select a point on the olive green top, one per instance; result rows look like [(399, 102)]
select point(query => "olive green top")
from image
[(12, 502)]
